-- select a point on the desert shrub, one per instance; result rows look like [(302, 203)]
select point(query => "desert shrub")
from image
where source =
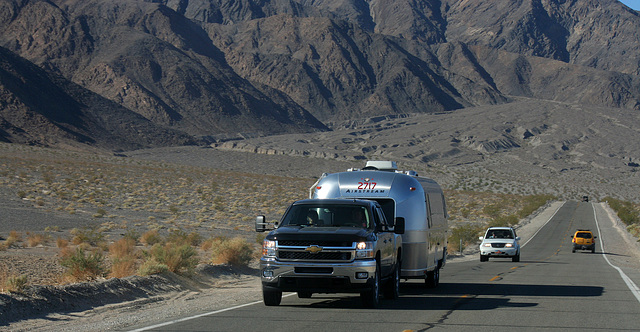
[(122, 248), (81, 266), (504, 221), (90, 235), (123, 267), (492, 210), (13, 239), (181, 237), (123, 257), (634, 230), (150, 238), (625, 210), (16, 284), (533, 203), (179, 258), (236, 251), (62, 243), (132, 234), (150, 267), (465, 234), (33, 240)]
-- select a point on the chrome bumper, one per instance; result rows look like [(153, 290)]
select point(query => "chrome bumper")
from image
[(317, 277)]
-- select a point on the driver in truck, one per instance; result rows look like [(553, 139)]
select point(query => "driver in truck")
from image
[(358, 217)]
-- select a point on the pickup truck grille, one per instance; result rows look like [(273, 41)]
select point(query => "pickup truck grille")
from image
[(497, 245), (332, 251), (321, 243), (321, 256)]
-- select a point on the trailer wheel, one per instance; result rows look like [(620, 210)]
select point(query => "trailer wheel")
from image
[(433, 278), (271, 297), (371, 297)]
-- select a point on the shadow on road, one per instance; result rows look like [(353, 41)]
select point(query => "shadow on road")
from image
[(459, 296)]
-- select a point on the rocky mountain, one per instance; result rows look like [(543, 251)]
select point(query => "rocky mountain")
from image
[(37, 107), (214, 69)]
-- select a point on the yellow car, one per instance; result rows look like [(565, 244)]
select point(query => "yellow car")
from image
[(583, 239)]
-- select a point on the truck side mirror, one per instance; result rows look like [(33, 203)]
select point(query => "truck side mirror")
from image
[(399, 225), (261, 224)]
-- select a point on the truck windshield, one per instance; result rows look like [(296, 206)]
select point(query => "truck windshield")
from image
[(328, 216)]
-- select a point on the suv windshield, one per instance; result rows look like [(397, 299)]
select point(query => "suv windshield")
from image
[(328, 216), (499, 234)]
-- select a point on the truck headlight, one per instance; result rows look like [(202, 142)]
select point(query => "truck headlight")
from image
[(269, 248), (486, 244), (364, 250), (509, 245)]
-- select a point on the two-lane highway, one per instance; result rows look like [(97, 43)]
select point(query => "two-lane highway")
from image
[(551, 288)]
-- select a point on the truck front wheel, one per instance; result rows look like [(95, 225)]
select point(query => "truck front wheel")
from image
[(271, 297), (392, 289), (371, 298)]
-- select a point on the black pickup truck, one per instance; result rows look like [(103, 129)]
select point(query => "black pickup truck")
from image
[(332, 246)]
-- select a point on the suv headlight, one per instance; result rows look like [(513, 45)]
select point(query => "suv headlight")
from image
[(486, 244), (364, 250), (509, 245), (269, 248)]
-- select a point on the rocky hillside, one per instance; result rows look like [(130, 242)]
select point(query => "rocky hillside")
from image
[(214, 70)]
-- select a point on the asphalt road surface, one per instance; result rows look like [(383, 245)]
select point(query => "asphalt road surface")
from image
[(551, 289)]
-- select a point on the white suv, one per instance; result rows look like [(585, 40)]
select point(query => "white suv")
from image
[(500, 242)]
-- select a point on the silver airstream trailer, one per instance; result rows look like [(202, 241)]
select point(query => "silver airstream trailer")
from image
[(419, 200)]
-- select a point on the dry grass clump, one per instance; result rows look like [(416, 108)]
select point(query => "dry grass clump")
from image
[(236, 251), (11, 283), (34, 240), (123, 257), (91, 236), (150, 238), (177, 258), (13, 240)]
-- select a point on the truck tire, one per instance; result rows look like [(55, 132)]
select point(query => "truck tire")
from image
[(371, 297), (433, 278), (516, 258), (484, 258), (392, 288), (271, 297)]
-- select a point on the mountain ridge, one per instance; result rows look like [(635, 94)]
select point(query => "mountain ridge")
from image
[(215, 70)]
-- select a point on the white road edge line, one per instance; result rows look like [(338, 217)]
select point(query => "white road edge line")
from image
[(632, 286), (198, 316)]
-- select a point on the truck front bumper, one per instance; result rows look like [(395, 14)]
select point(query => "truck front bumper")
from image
[(352, 277)]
